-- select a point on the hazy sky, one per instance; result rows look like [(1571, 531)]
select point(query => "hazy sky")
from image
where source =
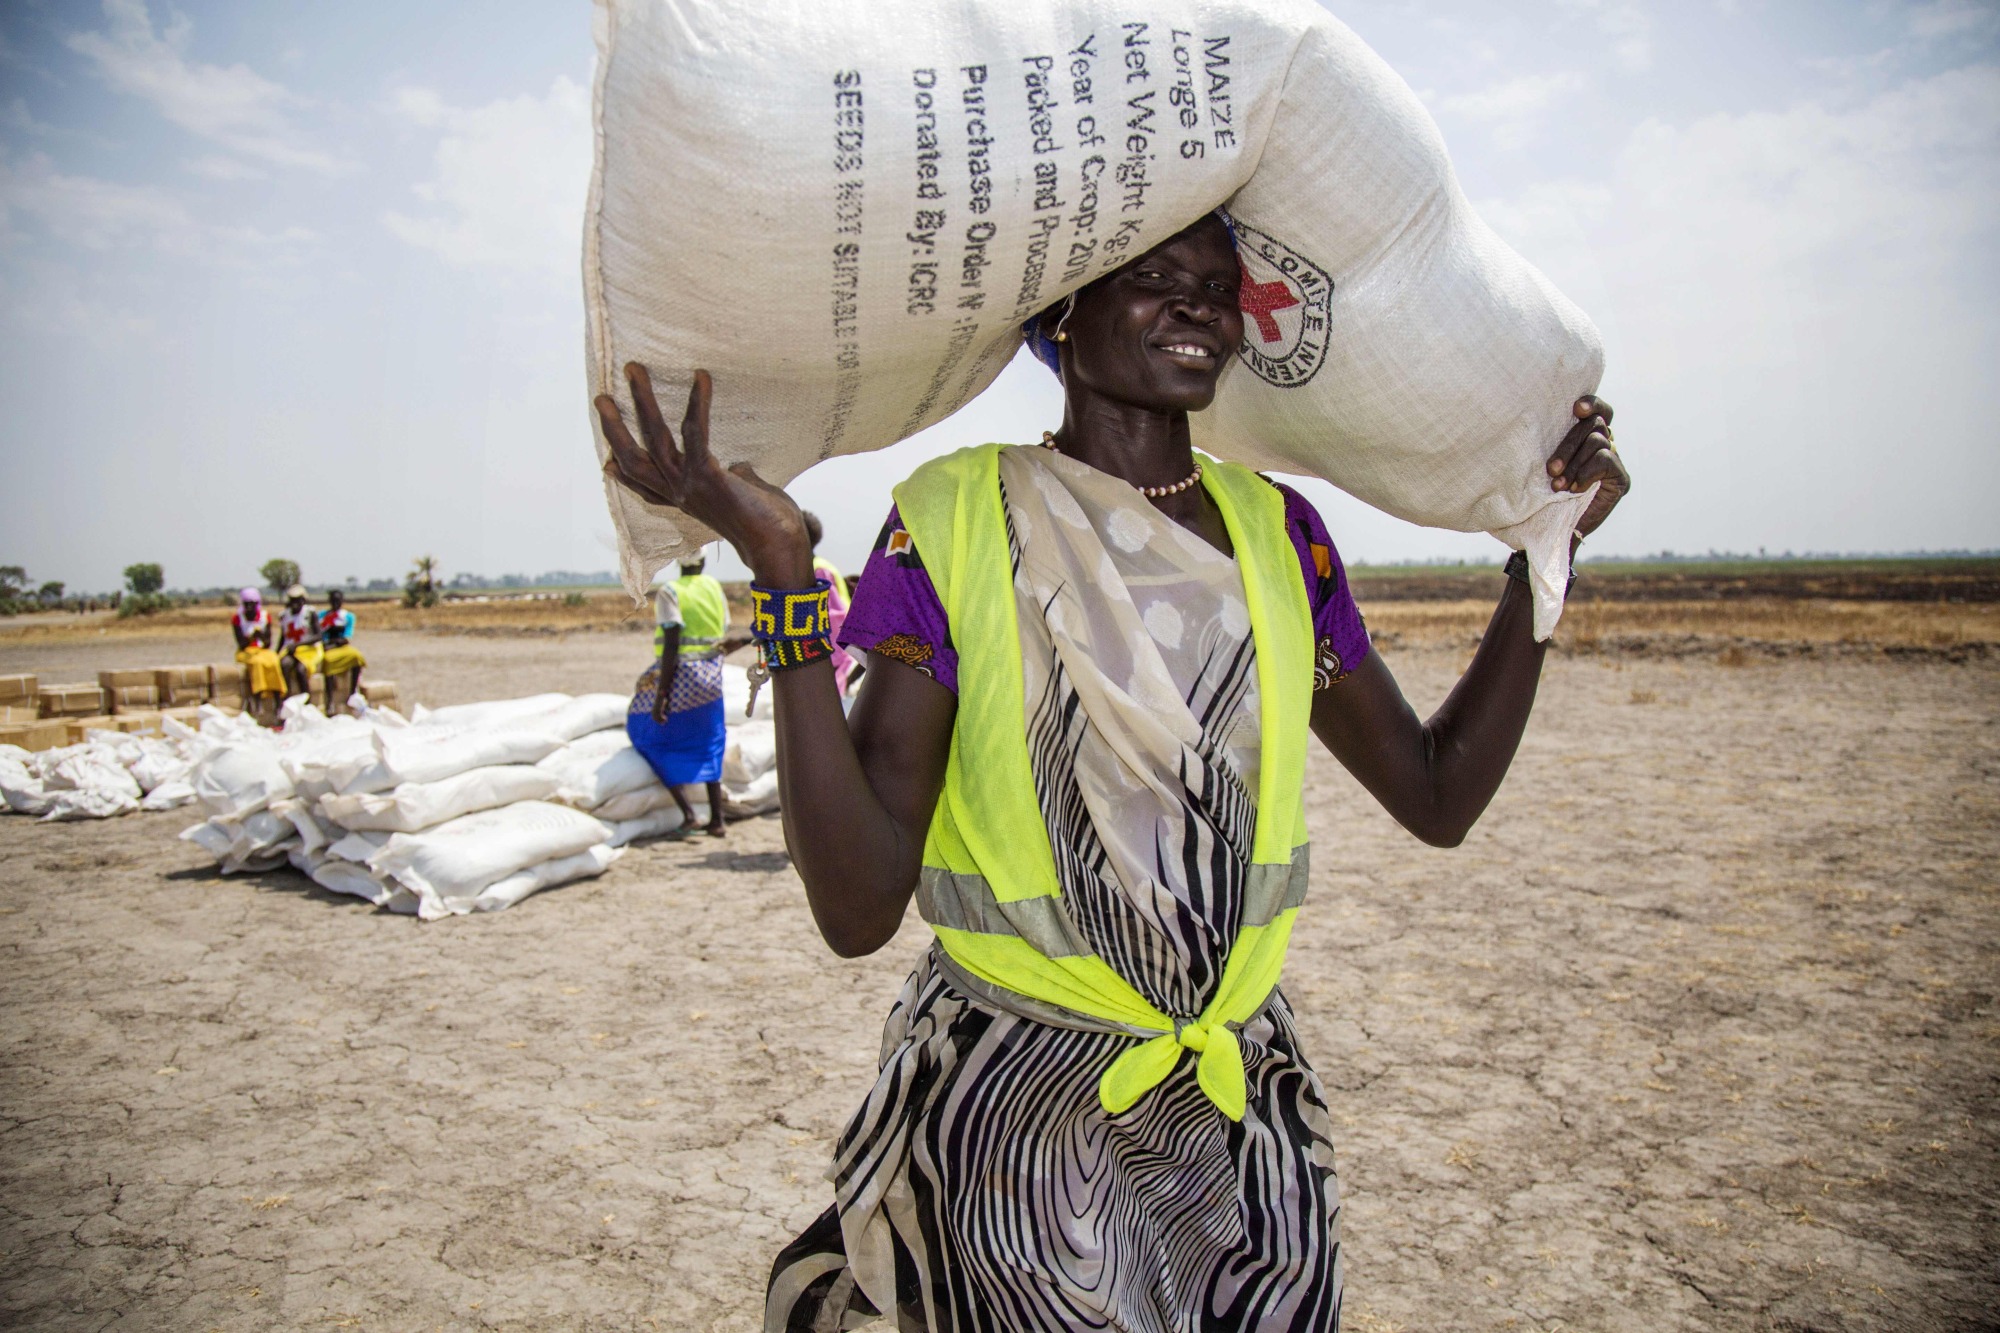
[(301, 279)]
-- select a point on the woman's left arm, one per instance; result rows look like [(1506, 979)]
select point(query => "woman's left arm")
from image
[(1436, 777)]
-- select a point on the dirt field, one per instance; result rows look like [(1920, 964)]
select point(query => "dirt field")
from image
[(1696, 1032)]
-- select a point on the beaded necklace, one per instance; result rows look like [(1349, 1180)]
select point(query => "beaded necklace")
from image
[(1150, 492)]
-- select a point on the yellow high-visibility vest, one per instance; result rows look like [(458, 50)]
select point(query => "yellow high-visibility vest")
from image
[(704, 610), (989, 886)]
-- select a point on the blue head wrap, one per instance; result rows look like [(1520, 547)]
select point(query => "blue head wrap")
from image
[(1044, 347)]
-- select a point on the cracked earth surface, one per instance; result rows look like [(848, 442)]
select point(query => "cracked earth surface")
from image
[(1696, 1032)]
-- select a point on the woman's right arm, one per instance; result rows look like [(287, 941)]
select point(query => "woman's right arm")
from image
[(856, 792)]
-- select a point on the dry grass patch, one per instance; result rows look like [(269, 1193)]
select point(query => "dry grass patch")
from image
[(1735, 629)]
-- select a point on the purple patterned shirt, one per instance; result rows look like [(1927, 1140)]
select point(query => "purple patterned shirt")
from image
[(896, 612)]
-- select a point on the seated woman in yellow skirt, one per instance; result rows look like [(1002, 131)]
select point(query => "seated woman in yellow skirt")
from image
[(252, 626), (340, 661), (298, 641)]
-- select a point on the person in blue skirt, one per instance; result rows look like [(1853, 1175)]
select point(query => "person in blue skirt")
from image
[(676, 720)]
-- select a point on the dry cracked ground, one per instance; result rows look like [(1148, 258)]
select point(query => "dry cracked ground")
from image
[(1696, 1032)]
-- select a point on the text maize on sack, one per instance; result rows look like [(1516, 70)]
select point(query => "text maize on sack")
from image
[(846, 210)]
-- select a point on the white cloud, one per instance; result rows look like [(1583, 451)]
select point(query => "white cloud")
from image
[(1949, 19), (1904, 179), (1794, 297), (234, 106), (1627, 26), (1509, 111), (95, 214), (508, 190), (218, 167), (104, 215)]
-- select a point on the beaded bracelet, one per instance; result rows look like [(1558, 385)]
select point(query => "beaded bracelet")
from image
[(789, 613), (792, 627)]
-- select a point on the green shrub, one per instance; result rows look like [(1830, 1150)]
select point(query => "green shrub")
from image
[(143, 604)]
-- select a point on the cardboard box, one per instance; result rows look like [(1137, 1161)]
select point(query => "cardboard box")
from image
[(128, 690), (381, 694), (78, 729), (61, 701), (187, 717), (14, 714), (19, 691), (36, 735), (146, 721), (225, 683), (181, 686)]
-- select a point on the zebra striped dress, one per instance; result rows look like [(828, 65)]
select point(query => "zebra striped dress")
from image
[(982, 1186)]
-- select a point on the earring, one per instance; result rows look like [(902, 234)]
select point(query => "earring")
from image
[(1062, 336)]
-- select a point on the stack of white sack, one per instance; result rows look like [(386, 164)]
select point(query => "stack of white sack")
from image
[(463, 809), (930, 173), (109, 773)]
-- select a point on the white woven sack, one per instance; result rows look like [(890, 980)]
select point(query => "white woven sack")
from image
[(845, 210), (758, 796), (752, 752), (431, 754), (240, 777), (548, 875), (458, 859), (644, 826), (487, 712), (633, 804), (419, 805), (337, 876), (596, 769)]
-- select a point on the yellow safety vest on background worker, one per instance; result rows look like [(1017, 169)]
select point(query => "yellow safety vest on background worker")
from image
[(704, 611), (989, 887)]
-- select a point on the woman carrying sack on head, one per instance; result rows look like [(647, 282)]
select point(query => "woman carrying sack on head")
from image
[(1080, 742)]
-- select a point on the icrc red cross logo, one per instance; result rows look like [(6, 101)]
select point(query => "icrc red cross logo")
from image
[(1286, 300)]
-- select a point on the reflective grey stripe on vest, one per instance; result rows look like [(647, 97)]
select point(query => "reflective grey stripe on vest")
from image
[(966, 902), (1273, 889)]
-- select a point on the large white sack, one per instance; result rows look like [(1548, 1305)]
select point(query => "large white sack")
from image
[(487, 712), (419, 805), (633, 804), (21, 783), (358, 847), (645, 826), (594, 773), (424, 754), (752, 752), (312, 760), (756, 797), (845, 210), (239, 777), (506, 892), (258, 841), (169, 795), (458, 859), (85, 782), (585, 714), (337, 876), (548, 875)]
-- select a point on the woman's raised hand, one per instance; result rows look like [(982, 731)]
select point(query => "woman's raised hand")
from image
[(1587, 455), (757, 518)]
